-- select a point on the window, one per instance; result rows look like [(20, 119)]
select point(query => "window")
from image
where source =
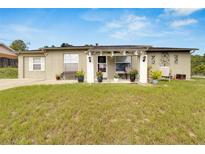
[(36, 63), (153, 59), (101, 59), (164, 61), (176, 59), (123, 63), (102, 63), (71, 62)]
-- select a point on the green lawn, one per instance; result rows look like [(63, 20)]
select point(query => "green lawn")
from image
[(170, 113), (8, 73)]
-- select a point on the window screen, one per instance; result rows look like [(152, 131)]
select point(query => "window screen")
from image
[(71, 62), (123, 63), (36, 63), (123, 59)]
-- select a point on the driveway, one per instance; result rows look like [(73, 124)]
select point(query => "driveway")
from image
[(11, 83)]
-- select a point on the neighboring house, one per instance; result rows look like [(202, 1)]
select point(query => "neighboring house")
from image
[(8, 57), (46, 63)]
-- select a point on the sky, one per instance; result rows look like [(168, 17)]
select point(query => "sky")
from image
[(156, 27)]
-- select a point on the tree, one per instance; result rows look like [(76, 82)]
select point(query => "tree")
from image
[(198, 64), (66, 45), (88, 45), (19, 45)]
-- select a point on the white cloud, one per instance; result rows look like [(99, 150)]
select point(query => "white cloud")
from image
[(180, 11), (113, 25), (181, 23), (130, 22), (23, 28), (119, 35), (126, 26)]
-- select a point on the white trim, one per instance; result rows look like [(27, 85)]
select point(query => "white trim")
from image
[(143, 69), (105, 74), (90, 68), (42, 63), (30, 63)]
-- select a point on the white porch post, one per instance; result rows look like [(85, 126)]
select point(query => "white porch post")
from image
[(143, 68), (90, 68)]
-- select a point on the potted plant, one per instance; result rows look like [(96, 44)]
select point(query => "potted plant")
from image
[(99, 75), (133, 73), (58, 77), (116, 77), (80, 76), (156, 75)]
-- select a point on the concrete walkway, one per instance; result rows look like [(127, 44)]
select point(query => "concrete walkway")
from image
[(11, 83)]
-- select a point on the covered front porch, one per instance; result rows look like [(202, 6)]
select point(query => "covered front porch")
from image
[(112, 61)]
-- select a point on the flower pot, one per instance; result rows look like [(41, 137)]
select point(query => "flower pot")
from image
[(132, 78), (58, 78), (100, 79), (81, 79), (155, 81), (116, 79)]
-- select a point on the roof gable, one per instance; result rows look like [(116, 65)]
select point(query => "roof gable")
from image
[(5, 50)]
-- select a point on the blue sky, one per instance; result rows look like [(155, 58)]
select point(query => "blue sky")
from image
[(157, 27)]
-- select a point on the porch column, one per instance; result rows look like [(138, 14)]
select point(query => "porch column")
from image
[(90, 68), (143, 68)]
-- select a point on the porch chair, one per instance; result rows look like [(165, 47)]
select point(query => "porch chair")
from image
[(166, 73)]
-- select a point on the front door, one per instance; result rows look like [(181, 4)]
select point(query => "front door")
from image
[(102, 65)]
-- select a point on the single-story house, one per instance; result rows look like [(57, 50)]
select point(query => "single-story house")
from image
[(8, 57), (46, 63)]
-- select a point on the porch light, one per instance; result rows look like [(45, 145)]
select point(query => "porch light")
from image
[(144, 58), (89, 59), (101, 53)]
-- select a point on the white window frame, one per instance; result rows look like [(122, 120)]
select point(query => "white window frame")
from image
[(31, 64), (123, 62), (126, 62), (71, 59), (105, 74)]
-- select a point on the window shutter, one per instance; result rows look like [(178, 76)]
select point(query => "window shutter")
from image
[(42, 63), (30, 61)]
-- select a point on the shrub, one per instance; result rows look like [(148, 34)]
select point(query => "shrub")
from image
[(8, 72), (80, 73), (116, 76), (156, 75), (99, 74), (133, 72)]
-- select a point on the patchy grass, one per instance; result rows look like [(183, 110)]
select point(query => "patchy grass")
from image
[(8, 73), (170, 113)]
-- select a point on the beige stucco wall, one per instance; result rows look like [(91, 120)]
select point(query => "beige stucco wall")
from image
[(20, 66), (32, 74), (54, 64), (23, 67), (183, 66)]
